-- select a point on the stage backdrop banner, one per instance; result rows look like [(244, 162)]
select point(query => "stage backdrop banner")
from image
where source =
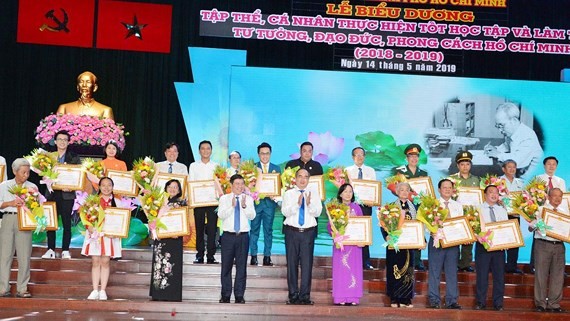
[(134, 26), (56, 22)]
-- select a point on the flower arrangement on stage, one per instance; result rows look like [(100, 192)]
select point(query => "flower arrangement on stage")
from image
[(32, 205), (92, 214), (93, 168), (391, 220), (337, 175), (83, 130), (500, 183), (288, 178), (536, 187), (432, 214), (43, 163), (154, 204), (392, 181), (249, 172), (525, 205), (455, 181), (144, 172), (222, 179), (474, 219), (338, 217)]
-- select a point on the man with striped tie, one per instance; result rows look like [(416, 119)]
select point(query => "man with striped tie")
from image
[(301, 206)]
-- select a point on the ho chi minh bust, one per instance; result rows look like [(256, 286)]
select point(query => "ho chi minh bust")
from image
[(86, 104)]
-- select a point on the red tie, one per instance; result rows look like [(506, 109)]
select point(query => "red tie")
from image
[(550, 186)]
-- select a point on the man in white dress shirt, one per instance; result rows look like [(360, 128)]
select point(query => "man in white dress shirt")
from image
[(550, 261), (300, 207), (444, 258), (236, 210), (171, 165), (494, 262), (514, 184), (521, 143), (200, 171), (361, 171), (552, 181), (11, 238), (4, 175)]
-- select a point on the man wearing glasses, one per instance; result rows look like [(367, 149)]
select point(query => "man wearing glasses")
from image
[(64, 199), (521, 143)]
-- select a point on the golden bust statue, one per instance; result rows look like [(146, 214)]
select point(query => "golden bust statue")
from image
[(86, 104)]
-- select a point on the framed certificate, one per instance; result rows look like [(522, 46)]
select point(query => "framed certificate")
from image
[(422, 185), (470, 196), (176, 221), (368, 191), (2, 169), (269, 184), (359, 231), (69, 177), (566, 198), (124, 184), (506, 235), (163, 178), (116, 223), (559, 222), (25, 222), (457, 231), (317, 183), (202, 193), (412, 236)]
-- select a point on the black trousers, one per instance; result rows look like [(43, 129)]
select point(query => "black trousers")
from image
[(366, 211), (299, 247), (486, 262), (200, 215), (234, 247), (64, 209), (512, 254)]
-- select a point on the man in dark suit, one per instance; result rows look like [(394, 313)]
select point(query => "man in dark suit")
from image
[(64, 199), (265, 211), (305, 161)]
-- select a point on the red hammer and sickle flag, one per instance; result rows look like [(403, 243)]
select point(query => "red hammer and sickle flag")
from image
[(56, 22)]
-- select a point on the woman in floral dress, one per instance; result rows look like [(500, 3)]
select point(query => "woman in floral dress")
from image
[(166, 277)]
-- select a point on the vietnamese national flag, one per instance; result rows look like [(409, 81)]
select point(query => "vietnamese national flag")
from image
[(56, 22), (134, 26)]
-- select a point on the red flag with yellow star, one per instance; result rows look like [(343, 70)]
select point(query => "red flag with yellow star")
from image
[(134, 26), (56, 22)]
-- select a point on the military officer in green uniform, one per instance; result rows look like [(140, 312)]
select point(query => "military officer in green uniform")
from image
[(412, 170), (464, 179)]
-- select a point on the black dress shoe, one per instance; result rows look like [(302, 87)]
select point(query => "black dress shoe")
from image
[(498, 308), (306, 302), (267, 261), (293, 299), (199, 260), (540, 309), (479, 307), (556, 310), (368, 266), (239, 299), (433, 306), (420, 268), (515, 271), (253, 260), (212, 261), (225, 299), (467, 269), (454, 306)]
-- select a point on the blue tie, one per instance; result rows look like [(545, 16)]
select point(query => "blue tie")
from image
[(170, 168), (236, 216), (359, 173), (302, 210)]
